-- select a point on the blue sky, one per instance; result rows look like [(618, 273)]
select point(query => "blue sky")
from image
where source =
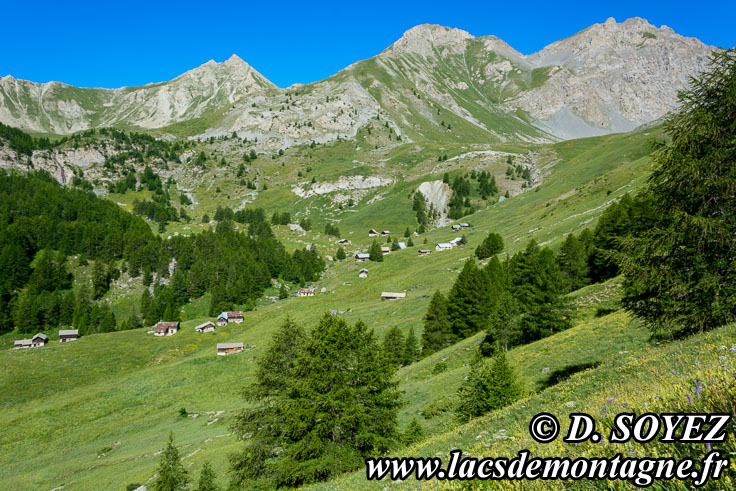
[(111, 44)]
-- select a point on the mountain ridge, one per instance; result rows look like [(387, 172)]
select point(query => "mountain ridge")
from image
[(609, 77)]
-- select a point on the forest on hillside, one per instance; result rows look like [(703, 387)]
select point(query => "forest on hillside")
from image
[(42, 225)]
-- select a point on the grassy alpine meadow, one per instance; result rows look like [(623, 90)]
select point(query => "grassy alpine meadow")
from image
[(107, 401)]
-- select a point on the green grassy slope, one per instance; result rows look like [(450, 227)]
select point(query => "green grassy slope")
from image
[(124, 390)]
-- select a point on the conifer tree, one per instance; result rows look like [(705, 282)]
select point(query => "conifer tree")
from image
[(679, 275), (411, 348), (491, 245), (490, 385), (331, 405), (414, 432), (207, 479), (573, 261), (437, 328), (468, 303), (171, 473), (375, 253), (394, 344), (340, 254)]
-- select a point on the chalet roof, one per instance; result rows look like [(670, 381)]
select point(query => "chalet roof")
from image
[(372, 231), (223, 315), (40, 335), (425, 251), (402, 245), (456, 239), (444, 245), (69, 332), (386, 232), (206, 324), (385, 248), (363, 270), (463, 224), (22, 342), (165, 326), (362, 255), (229, 346), (393, 295), (306, 290), (235, 315)]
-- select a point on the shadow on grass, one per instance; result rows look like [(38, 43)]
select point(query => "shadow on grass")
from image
[(563, 373)]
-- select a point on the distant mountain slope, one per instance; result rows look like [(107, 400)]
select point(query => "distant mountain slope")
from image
[(435, 83), (54, 107)]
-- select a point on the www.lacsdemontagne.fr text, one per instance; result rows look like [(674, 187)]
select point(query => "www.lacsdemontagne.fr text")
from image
[(638, 471)]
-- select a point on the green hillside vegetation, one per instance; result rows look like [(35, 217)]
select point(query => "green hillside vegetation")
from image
[(601, 283)]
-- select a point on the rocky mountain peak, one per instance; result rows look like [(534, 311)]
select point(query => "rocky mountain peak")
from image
[(422, 39)]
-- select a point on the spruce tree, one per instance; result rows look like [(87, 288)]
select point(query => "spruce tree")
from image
[(679, 275), (171, 473)]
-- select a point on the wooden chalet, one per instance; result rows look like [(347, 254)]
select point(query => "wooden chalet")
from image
[(305, 292), (208, 326), (66, 335), (363, 273), (362, 257), (443, 246), (392, 295), (224, 349), (166, 328), (424, 252), (385, 250), (373, 233)]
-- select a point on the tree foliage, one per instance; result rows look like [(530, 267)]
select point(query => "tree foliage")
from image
[(680, 274), (322, 402)]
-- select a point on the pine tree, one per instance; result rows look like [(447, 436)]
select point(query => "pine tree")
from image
[(409, 243), (207, 479), (283, 293), (437, 328), (171, 473)]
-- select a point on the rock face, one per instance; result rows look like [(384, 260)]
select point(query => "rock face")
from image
[(438, 195), (610, 77)]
